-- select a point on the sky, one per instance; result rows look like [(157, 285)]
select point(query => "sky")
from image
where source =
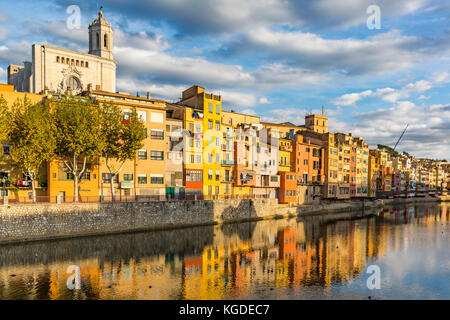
[(279, 59)]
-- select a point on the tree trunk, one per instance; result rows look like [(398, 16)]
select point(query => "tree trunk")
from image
[(33, 190), (112, 186), (75, 190)]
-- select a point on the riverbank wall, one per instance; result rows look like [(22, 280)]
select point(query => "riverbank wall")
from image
[(30, 222)]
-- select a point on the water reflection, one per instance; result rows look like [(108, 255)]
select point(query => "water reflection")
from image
[(310, 257)]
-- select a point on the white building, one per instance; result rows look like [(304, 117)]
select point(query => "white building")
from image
[(59, 70)]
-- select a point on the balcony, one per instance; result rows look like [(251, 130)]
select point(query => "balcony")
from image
[(228, 162)]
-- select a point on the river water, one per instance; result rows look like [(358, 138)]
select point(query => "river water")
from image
[(405, 248)]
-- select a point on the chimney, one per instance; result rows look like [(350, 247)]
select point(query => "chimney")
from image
[(148, 94)]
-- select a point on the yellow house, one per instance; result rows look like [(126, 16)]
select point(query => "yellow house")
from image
[(144, 175), (60, 182), (12, 182), (284, 154), (211, 106)]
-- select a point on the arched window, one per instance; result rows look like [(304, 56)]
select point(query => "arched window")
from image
[(73, 83), (62, 60), (98, 40), (105, 41), (82, 63), (78, 63), (87, 65), (57, 59)]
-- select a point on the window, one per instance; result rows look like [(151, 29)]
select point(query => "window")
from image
[(157, 155), (98, 40), (142, 154), (217, 125), (198, 144), (217, 142), (217, 175), (210, 174), (142, 178), (210, 124), (198, 128), (198, 159), (126, 115), (209, 157), (210, 106), (191, 127), (105, 41), (217, 108), (194, 176), (57, 59), (73, 83), (82, 63), (144, 132), (87, 64), (157, 117), (106, 178), (157, 134), (156, 179), (6, 150), (127, 177), (305, 162), (142, 115), (217, 158)]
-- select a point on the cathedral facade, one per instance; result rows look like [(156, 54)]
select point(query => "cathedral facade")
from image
[(61, 70)]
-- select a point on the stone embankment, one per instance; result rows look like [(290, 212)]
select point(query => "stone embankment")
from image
[(28, 222)]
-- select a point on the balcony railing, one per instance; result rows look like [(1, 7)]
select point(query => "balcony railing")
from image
[(228, 162)]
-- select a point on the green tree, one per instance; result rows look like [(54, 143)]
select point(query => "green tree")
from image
[(78, 135), (3, 119), (122, 139), (31, 137)]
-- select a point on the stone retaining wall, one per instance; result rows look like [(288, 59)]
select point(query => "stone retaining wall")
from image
[(25, 222)]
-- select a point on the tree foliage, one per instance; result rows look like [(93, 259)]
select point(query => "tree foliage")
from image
[(31, 137), (388, 149), (3, 119), (121, 139), (78, 135)]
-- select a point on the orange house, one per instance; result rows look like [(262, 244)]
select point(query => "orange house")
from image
[(288, 187)]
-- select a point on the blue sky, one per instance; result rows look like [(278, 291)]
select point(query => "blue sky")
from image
[(275, 58)]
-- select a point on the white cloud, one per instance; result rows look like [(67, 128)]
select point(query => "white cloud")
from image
[(385, 94), (385, 52), (263, 100), (3, 75)]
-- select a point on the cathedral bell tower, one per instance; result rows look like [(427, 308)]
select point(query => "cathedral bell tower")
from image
[(101, 37)]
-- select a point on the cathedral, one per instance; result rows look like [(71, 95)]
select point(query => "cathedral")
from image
[(61, 70)]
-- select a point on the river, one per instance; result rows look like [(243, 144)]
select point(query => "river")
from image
[(405, 248)]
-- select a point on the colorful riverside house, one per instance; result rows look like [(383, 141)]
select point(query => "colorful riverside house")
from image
[(284, 157), (373, 174), (144, 176), (241, 151), (287, 193), (266, 162), (174, 177), (227, 170), (211, 106), (12, 182), (192, 136), (245, 158), (307, 160)]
